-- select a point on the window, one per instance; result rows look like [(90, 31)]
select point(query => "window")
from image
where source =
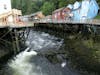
[(5, 6)]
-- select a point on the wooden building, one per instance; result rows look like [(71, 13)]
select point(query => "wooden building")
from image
[(7, 14), (61, 14), (36, 16)]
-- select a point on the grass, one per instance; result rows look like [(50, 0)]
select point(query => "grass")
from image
[(97, 17)]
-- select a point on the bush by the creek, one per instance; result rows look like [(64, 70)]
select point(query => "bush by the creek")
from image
[(85, 53)]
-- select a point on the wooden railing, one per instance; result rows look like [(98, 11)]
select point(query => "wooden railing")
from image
[(92, 21)]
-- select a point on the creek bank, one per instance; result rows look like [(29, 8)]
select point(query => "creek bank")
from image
[(84, 52)]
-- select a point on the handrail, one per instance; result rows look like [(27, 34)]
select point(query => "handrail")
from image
[(92, 21)]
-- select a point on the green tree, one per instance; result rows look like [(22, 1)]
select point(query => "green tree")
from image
[(27, 6), (47, 8), (62, 3)]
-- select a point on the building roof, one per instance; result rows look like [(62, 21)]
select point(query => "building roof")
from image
[(48, 17), (34, 14), (76, 5), (70, 6)]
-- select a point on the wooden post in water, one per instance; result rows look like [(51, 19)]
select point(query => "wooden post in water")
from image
[(19, 36), (16, 40), (13, 41)]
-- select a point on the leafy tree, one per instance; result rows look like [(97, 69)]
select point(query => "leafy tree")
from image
[(47, 8), (62, 3)]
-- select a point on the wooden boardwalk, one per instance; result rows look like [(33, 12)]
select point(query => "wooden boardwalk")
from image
[(17, 25), (83, 22), (50, 21)]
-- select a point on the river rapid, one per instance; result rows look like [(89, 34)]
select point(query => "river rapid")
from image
[(36, 60)]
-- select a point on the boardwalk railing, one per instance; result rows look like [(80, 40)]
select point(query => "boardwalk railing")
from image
[(53, 21), (92, 22), (17, 25)]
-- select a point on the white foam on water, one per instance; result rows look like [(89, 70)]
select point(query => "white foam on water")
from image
[(36, 40), (20, 63), (63, 64)]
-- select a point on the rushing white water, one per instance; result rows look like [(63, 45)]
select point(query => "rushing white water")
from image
[(20, 63), (29, 62), (38, 40)]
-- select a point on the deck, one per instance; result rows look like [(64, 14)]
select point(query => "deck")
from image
[(83, 22), (50, 21), (17, 25)]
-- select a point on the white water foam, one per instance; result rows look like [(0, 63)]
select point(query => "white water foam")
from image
[(29, 62), (20, 64), (36, 40)]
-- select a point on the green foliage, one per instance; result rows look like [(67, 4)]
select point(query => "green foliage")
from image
[(47, 8), (85, 53), (27, 6), (97, 17), (62, 3), (31, 6)]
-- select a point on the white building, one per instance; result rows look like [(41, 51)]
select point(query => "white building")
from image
[(5, 6), (5, 9)]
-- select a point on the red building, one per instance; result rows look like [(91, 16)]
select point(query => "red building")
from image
[(61, 14)]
